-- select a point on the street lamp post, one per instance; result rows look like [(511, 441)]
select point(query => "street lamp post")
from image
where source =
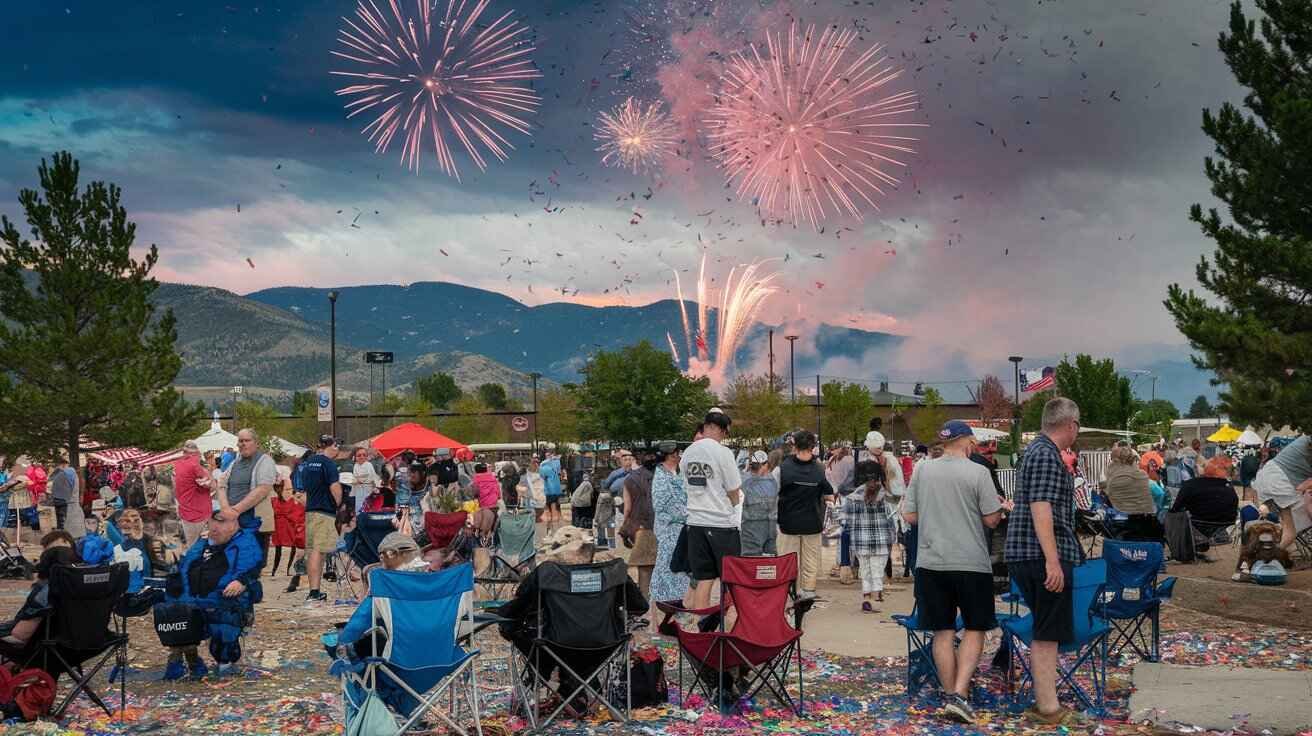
[(772, 360), (1015, 413), (792, 367), (332, 357), (535, 377)]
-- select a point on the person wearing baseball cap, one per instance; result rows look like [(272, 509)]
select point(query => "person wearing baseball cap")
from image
[(760, 526), (191, 485), (714, 488), (951, 500), (323, 495), (804, 493)]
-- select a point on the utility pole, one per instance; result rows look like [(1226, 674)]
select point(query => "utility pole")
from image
[(1015, 412), (771, 360), (818, 443), (535, 377), (332, 359), (792, 367)]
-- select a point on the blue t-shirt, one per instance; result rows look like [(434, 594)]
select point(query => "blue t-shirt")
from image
[(550, 472), (318, 475)]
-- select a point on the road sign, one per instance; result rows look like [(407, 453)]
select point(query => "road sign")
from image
[(236, 390), (519, 424), (325, 404), (378, 356)]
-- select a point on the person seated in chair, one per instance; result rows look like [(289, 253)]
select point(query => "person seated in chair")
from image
[(220, 576), (1211, 501), (1127, 485), (521, 612), (18, 632)]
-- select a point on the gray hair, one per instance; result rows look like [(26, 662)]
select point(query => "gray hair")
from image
[(254, 435), (1058, 412)]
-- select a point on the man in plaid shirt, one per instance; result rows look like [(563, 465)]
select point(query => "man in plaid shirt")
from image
[(1042, 550), (951, 500)]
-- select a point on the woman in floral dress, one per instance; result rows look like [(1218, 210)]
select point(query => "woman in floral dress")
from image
[(670, 501)]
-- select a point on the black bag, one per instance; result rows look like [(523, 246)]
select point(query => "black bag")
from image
[(179, 624), (1180, 537), (679, 558), (647, 673)]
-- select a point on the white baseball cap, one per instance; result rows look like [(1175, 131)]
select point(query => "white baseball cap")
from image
[(874, 441)]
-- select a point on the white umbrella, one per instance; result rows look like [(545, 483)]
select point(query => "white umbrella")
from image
[(985, 434), (289, 448), (216, 438), (1250, 438)]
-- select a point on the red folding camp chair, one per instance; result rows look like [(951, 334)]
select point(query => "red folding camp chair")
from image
[(442, 528), (762, 640)]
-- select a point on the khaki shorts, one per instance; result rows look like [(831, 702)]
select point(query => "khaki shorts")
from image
[(320, 532)]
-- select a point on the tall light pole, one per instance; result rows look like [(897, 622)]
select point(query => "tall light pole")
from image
[(332, 357), (792, 367), (535, 377), (772, 360), (1015, 412)]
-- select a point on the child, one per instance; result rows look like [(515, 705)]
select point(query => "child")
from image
[(867, 516), (288, 527), (760, 523)]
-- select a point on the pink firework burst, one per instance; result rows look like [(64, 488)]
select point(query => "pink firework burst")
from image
[(636, 137), (808, 130), (446, 81)]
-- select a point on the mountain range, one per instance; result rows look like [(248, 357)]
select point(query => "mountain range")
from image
[(276, 341)]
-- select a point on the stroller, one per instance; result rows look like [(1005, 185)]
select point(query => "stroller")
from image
[(13, 565)]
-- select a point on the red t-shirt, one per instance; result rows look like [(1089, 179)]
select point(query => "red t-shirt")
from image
[(194, 504)]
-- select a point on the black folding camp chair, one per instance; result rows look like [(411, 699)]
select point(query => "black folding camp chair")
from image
[(582, 618), (83, 600)]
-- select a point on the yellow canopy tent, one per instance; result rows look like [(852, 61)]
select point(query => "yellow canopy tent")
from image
[(1225, 434)]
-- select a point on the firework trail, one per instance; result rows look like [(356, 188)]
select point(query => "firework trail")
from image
[(741, 299), (444, 82), (636, 137), (808, 131)]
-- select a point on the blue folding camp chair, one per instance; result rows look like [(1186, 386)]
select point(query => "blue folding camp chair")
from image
[(1134, 597), (1087, 650), (921, 670), (401, 651)]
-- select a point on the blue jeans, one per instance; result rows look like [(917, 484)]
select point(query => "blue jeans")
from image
[(4, 510), (845, 549)]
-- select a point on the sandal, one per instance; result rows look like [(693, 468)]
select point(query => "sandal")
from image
[(1062, 717)]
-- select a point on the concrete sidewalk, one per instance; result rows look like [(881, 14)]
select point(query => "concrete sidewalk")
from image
[(1222, 698)]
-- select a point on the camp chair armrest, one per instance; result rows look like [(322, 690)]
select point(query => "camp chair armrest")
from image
[(673, 607)]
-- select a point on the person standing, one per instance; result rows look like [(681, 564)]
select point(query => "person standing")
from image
[(670, 507), (364, 478), (63, 489), (1042, 551), (191, 486), (247, 495), (760, 527), (804, 493), (531, 488), (867, 517), (637, 531), (323, 494), (549, 470), (714, 488), (1283, 482), (951, 500)]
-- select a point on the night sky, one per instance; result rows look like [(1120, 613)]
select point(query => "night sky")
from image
[(1044, 213)]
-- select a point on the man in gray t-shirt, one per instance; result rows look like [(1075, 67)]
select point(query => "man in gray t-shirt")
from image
[(950, 501), (63, 489), (250, 479)]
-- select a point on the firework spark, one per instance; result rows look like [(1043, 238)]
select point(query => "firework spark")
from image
[(808, 131), (444, 81), (741, 299), (636, 137)]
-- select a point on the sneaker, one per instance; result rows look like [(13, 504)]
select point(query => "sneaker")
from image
[(175, 670), (806, 595), (198, 669), (958, 709), (294, 584), (316, 597), (866, 607), (224, 670)]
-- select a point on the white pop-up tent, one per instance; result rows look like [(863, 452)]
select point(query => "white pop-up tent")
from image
[(1250, 438), (216, 438)]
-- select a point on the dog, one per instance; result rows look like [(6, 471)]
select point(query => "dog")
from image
[(1261, 543)]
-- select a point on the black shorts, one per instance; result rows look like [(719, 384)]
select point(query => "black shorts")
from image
[(940, 594), (707, 546), (1054, 613), (553, 502)]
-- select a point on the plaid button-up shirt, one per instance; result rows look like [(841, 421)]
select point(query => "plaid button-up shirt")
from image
[(1043, 477), (869, 524)]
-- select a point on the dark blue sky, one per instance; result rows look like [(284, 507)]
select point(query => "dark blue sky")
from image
[(1049, 191)]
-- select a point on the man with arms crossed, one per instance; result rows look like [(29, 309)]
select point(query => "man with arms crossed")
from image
[(714, 491), (951, 499), (1042, 552)]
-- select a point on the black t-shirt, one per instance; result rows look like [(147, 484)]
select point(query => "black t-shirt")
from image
[(802, 488), (447, 471), (204, 574), (1210, 500), (318, 474)]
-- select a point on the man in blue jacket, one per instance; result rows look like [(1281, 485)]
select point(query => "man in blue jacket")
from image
[(220, 576)]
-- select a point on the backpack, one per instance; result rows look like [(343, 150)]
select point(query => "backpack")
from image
[(582, 495), (647, 675)]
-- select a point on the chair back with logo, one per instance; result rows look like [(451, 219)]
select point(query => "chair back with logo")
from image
[(1089, 584), (583, 606), (84, 598), (760, 588), (1132, 569)]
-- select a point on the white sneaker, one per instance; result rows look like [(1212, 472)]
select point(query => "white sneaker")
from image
[(806, 595)]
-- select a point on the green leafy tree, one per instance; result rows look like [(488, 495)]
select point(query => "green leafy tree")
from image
[(439, 389), (1256, 332), (759, 409), (847, 410), (929, 416), (1153, 418), (1102, 394), (1031, 411), (1201, 408), (558, 417), (638, 393), (419, 411), (493, 395), (472, 425), (303, 401), (83, 353)]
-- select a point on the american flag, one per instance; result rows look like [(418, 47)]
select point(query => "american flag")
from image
[(1040, 380)]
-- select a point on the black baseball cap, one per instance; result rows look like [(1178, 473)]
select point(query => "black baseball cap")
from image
[(327, 440)]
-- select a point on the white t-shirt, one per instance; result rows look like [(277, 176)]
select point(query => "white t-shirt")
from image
[(364, 478), (710, 472)]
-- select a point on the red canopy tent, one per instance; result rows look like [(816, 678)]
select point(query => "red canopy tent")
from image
[(137, 456), (414, 437)]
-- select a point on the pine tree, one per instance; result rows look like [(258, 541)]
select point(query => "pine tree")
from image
[(1257, 332), (83, 354)]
